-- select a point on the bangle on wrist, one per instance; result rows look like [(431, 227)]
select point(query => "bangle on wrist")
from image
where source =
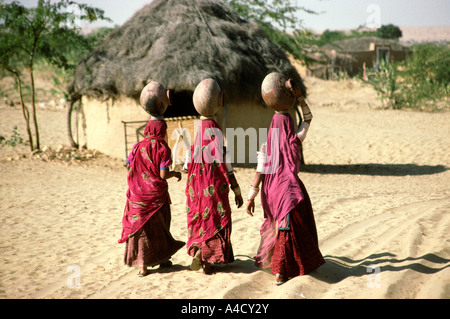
[(253, 192)]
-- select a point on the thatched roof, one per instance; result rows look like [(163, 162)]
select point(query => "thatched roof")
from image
[(179, 43), (362, 44)]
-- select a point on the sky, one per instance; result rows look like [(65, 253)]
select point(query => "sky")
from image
[(332, 14)]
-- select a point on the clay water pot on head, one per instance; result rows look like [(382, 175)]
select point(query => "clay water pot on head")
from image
[(276, 93), (155, 98), (207, 98)]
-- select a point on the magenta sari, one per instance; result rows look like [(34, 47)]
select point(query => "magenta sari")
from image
[(147, 192), (207, 187), (283, 193)]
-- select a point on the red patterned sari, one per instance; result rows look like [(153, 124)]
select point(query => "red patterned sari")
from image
[(148, 199), (207, 204)]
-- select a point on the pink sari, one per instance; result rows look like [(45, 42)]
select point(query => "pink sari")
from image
[(282, 191), (147, 192), (207, 187)]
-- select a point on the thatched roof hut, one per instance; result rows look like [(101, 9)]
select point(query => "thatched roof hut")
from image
[(363, 44), (351, 56), (179, 43)]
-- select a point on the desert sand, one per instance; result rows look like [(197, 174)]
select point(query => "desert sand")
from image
[(378, 180)]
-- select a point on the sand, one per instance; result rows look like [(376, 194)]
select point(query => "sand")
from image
[(378, 181)]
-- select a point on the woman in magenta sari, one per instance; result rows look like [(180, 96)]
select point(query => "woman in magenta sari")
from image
[(207, 187), (147, 216), (289, 242)]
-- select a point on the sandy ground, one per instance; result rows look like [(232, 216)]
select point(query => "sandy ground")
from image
[(378, 180)]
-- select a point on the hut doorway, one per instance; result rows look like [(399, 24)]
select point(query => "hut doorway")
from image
[(180, 117), (383, 54), (181, 104)]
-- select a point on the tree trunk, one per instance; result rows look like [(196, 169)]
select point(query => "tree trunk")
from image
[(33, 105), (25, 112), (73, 100)]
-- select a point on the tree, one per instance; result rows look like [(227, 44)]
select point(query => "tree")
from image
[(278, 13), (389, 31), (47, 32), (328, 36), (276, 17)]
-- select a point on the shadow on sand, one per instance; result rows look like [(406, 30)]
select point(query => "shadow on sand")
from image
[(375, 169), (241, 264), (338, 268)]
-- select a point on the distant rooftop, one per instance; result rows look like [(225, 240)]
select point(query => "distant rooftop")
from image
[(363, 44)]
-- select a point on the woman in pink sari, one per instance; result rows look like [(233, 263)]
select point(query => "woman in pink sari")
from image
[(289, 242), (207, 187), (147, 216)]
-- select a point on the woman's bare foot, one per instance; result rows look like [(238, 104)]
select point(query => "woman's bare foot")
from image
[(196, 263), (143, 272), (279, 279)]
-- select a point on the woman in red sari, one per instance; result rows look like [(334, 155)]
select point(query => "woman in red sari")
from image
[(147, 216), (207, 186), (289, 242)]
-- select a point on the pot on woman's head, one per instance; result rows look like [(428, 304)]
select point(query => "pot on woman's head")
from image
[(276, 93), (208, 97), (155, 98)]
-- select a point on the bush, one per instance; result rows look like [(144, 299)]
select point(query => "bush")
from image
[(385, 82), (389, 31), (14, 140), (422, 79), (427, 73)]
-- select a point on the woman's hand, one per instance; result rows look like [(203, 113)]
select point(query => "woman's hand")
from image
[(239, 201), (177, 175), (250, 207), (166, 174), (294, 89)]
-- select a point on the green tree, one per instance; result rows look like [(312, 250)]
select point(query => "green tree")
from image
[(277, 17), (47, 32), (389, 31), (279, 13), (328, 36)]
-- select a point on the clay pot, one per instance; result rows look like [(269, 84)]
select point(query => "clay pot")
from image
[(155, 98), (207, 98), (276, 93)]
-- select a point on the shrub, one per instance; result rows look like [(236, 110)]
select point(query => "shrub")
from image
[(426, 73), (422, 79)]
